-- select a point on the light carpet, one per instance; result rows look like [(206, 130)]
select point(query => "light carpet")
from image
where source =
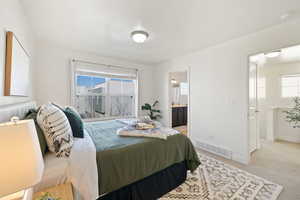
[(215, 180)]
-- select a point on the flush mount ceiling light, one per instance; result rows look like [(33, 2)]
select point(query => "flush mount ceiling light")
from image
[(139, 36), (273, 54)]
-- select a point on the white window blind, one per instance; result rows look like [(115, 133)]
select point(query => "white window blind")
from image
[(100, 91), (290, 86)]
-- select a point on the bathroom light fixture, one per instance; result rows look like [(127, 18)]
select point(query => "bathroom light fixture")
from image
[(173, 81), (285, 16), (273, 54), (139, 36)]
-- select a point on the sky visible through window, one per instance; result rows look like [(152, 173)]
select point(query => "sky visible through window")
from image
[(89, 81), (92, 81)]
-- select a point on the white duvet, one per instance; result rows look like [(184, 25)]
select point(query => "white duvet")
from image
[(80, 169)]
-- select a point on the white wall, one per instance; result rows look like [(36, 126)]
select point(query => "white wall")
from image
[(52, 74), (219, 86), (12, 18)]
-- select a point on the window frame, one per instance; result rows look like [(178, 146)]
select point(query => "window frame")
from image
[(281, 86), (73, 94)]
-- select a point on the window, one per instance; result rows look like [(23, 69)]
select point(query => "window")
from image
[(104, 95), (290, 86), (184, 88)]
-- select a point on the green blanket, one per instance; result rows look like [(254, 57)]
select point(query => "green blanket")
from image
[(125, 160)]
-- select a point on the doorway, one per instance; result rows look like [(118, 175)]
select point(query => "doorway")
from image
[(179, 101), (274, 83)]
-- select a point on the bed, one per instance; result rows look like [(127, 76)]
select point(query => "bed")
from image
[(106, 166)]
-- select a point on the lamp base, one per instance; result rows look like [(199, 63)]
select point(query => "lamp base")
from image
[(22, 195)]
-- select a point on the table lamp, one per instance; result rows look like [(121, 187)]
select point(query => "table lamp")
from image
[(21, 160)]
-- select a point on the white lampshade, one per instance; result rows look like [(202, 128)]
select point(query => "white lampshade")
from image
[(21, 160)]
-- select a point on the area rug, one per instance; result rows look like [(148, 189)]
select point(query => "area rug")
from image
[(215, 180)]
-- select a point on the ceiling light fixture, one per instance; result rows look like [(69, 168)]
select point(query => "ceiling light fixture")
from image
[(173, 81), (273, 54), (139, 36), (285, 16)]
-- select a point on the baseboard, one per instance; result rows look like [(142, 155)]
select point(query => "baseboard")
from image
[(218, 150), (240, 158), (288, 139), (221, 151)]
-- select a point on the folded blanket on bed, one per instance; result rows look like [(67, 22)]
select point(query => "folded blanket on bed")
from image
[(134, 121), (125, 160), (160, 132), (128, 121)]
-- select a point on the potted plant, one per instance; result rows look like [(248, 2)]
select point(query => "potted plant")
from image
[(153, 113), (293, 115)]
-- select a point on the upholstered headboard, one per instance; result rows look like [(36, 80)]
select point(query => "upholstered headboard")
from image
[(19, 110)]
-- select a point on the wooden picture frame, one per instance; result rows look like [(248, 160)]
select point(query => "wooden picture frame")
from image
[(16, 68)]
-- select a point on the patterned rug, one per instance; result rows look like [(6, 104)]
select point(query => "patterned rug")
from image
[(215, 180)]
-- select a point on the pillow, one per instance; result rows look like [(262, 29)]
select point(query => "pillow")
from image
[(32, 113), (56, 128), (75, 122), (74, 110), (57, 105)]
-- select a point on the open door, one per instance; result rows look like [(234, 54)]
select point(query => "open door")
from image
[(253, 110), (179, 101)]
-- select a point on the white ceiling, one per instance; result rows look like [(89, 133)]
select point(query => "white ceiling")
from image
[(176, 27)]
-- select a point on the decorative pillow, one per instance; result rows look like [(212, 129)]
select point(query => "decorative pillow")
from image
[(57, 105), (57, 129), (74, 110), (75, 122), (32, 113)]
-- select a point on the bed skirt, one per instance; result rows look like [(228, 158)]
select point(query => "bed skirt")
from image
[(151, 187)]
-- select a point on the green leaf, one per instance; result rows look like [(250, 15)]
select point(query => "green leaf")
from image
[(146, 107), (293, 115), (151, 112)]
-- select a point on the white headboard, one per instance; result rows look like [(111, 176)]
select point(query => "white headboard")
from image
[(19, 110)]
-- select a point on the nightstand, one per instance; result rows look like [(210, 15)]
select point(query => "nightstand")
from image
[(63, 192)]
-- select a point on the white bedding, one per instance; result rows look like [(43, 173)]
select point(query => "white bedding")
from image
[(80, 169)]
